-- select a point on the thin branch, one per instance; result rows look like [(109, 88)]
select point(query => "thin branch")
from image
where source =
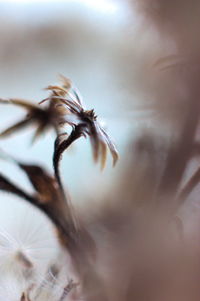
[(60, 147), (190, 185)]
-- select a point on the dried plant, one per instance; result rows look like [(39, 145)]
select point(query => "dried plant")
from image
[(83, 123), (133, 246), (65, 108), (42, 118)]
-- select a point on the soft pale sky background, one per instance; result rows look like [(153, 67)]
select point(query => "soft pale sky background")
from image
[(101, 5)]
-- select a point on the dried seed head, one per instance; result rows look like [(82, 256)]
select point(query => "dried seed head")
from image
[(84, 123)]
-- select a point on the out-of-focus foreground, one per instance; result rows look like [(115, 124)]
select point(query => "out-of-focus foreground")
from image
[(137, 64)]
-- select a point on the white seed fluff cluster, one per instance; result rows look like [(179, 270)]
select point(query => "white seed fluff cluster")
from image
[(32, 265)]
